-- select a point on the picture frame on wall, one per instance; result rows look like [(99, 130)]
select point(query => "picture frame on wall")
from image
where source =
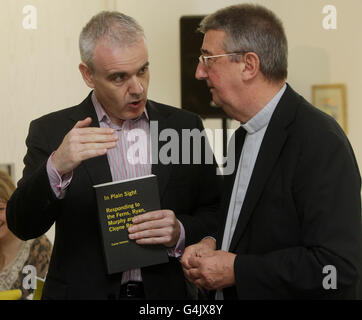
[(331, 99)]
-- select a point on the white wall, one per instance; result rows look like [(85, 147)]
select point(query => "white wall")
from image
[(39, 68)]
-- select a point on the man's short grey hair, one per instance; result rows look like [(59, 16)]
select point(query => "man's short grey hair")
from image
[(253, 28), (120, 29)]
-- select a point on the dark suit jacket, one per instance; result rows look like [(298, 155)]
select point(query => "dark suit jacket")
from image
[(77, 268), (302, 209)]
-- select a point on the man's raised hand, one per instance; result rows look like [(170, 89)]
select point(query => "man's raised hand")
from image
[(82, 143)]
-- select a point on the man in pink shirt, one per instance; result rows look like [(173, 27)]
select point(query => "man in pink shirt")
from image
[(72, 150)]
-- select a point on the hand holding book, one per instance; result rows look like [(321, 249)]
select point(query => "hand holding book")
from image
[(120, 203), (155, 227)]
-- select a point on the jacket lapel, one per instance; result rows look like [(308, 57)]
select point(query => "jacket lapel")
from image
[(158, 122), (97, 168), (270, 149)]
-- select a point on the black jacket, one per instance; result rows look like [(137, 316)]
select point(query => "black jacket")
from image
[(302, 209)]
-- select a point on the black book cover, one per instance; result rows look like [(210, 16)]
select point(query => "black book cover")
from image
[(118, 202)]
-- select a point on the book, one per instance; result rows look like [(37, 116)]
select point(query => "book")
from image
[(118, 202)]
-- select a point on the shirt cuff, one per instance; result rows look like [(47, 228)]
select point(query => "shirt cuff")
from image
[(179, 249), (209, 237), (58, 183)]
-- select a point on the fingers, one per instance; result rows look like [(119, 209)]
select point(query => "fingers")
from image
[(84, 148), (211, 272), (94, 130), (91, 135), (95, 138), (90, 142), (192, 271), (78, 152), (150, 216), (204, 248), (194, 262), (193, 274), (190, 252), (156, 227), (83, 123), (90, 153), (151, 236), (82, 143)]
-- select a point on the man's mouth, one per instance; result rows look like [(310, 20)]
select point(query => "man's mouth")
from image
[(136, 104)]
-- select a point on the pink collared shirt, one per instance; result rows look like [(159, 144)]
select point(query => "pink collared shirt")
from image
[(123, 165)]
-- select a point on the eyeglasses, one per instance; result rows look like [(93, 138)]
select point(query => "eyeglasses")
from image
[(205, 59)]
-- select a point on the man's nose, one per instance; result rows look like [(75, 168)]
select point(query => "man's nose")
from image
[(135, 86), (200, 73)]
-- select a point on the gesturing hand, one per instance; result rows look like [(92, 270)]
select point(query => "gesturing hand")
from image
[(82, 143), (155, 227)]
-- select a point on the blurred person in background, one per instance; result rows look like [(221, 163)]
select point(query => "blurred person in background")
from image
[(15, 254)]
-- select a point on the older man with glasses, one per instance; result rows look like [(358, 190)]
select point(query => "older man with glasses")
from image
[(290, 224)]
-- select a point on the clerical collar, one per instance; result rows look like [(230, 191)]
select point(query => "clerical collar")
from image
[(262, 118)]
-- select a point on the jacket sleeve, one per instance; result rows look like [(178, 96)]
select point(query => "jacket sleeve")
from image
[(33, 207)]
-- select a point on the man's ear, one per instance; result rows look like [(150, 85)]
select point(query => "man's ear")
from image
[(87, 75), (249, 65)]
